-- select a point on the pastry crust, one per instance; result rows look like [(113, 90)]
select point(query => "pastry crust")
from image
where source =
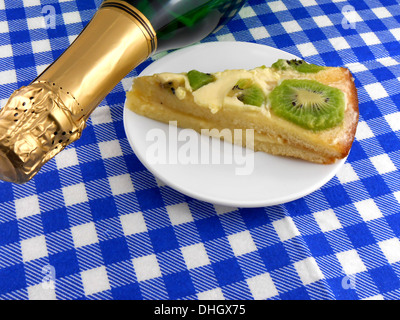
[(168, 97)]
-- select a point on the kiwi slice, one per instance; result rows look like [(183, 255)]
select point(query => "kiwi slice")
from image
[(248, 93), (198, 79), (298, 65), (308, 103)]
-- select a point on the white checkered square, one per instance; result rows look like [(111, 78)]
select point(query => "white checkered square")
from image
[(31, 3), (41, 68), (397, 196), (101, 115), (133, 223), (363, 131), (220, 209), (72, 17), (36, 23), (26, 207), (382, 12), (396, 33), (74, 194), (146, 267), (308, 270), (241, 243), (370, 38), (41, 46), (323, 21), (347, 174), (195, 256), (339, 43), (262, 287), (226, 37), (383, 164), (42, 291), (214, 294), (327, 220), (179, 213), (286, 229), (34, 248), (368, 209), (6, 51), (393, 120), (3, 102), (375, 297), (127, 83), (259, 33), (110, 149), (391, 249), (307, 49), (72, 38), (121, 184), (8, 76), (84, 234), (67, 158), (376, 91), (351, 262), (356, 67), (247, 12), (388, 61), (352, 17), (308, 3), (291, 26), (95, 280), (277, 6), (4, 26)]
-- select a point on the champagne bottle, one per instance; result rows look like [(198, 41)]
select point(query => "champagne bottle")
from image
[(41, 119)]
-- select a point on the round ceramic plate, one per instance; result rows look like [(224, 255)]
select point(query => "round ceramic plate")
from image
[(209, 169)]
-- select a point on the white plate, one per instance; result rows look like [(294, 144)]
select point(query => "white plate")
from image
[(273, 180)]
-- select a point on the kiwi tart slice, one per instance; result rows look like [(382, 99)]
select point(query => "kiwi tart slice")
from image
[(299, 109), (308, 103)]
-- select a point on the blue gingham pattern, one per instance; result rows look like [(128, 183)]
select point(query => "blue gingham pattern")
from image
[(95, 224)]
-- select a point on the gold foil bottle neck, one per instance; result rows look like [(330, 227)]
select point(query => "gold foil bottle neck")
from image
[(35, 125), (41, 119)]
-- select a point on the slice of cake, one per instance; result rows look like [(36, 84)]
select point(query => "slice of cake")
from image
[(296, 109)]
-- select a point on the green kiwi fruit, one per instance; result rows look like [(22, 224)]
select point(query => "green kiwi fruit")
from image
[(248, 93), (298, 65), (308, 103), (198, 79)]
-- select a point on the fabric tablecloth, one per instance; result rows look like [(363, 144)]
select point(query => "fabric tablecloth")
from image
[(95, 224)]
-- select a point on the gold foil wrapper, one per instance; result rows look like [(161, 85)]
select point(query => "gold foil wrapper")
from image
[(41, 119), (35, 125)]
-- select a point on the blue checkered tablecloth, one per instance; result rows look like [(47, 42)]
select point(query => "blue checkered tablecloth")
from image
[(95, 224)]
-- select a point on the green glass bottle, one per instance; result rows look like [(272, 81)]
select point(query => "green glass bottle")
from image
[(180, 23)]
